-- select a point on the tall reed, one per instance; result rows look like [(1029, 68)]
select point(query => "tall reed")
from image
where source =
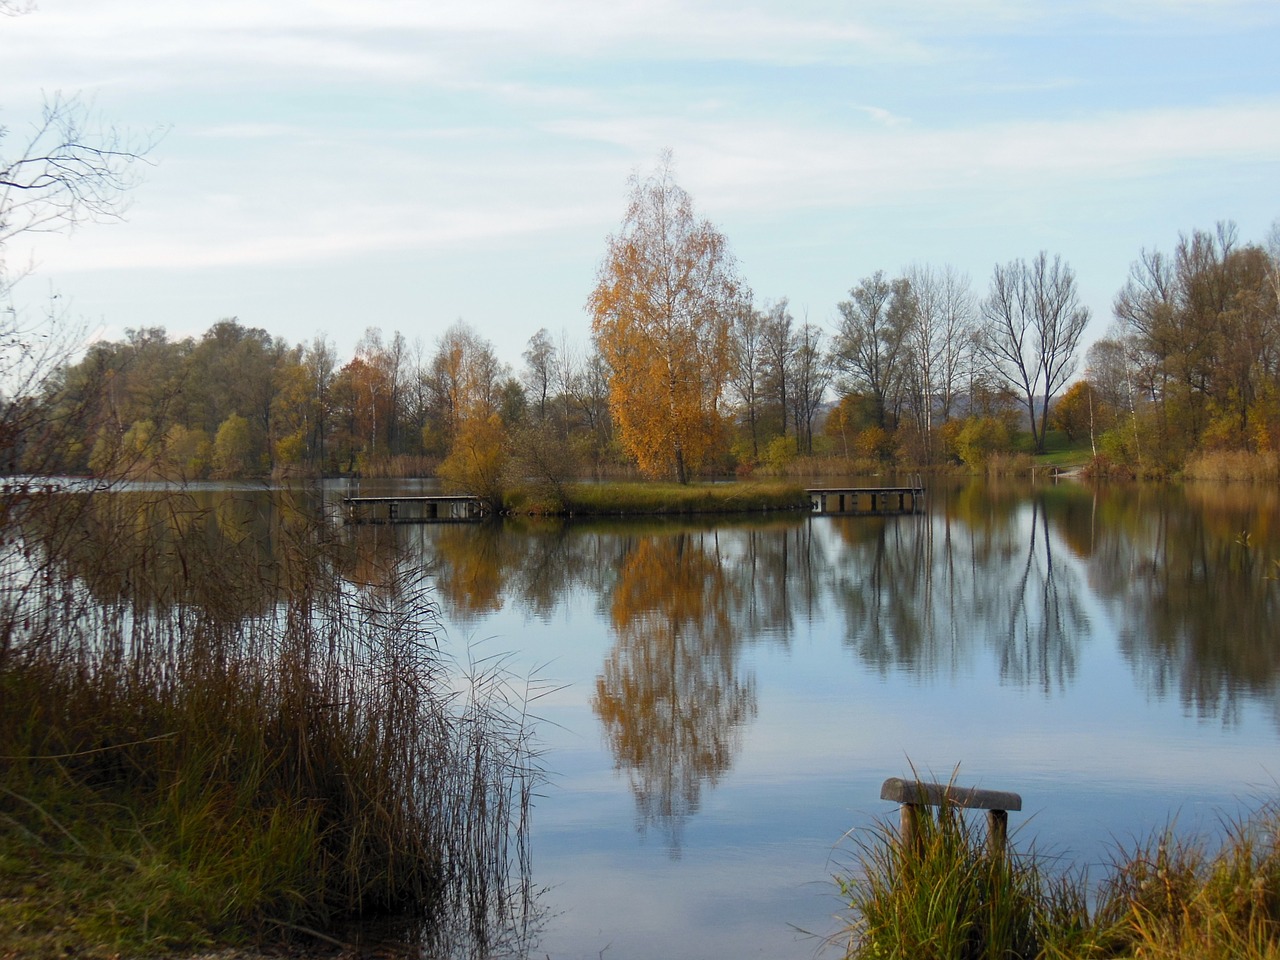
[(179, 772), (1172, 896), (1239, 465)]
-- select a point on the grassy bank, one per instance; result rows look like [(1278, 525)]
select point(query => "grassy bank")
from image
[(176, 775), (639, 498), (1169, 898)]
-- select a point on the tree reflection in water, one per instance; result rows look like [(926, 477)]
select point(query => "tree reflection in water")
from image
[(1013, 575), (1189, 576), (672, 698), (925, 594), (1192, 575)]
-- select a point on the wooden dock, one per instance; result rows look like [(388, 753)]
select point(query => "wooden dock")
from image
[(867, 501), (463, 508)]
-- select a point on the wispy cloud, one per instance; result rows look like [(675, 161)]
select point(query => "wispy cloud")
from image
[(461, 193), (805, 166), (385, 40), (313, 133)]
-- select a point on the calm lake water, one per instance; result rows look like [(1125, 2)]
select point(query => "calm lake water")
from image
[(725, 697), (719, 700)]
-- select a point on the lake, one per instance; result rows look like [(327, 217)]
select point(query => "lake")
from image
[(719, 699), (722, 698)]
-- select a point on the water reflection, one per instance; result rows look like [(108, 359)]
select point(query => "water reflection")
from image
[(229, 554), (992, 579), (1194, 573), (1190, 576), (671, 696), (925, 595), (999, 578)]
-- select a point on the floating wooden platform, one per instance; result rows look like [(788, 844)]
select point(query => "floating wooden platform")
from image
[(428, 509), (867, 501)]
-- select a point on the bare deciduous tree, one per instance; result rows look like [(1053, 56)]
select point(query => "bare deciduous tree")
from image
[(539, 371), (811, 375), (938, 341), (746, 377), (1032, 324), (778, 345)]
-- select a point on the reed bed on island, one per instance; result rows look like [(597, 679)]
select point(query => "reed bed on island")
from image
[(617, 498)]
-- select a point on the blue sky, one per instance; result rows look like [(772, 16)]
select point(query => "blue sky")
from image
[(329, 166)]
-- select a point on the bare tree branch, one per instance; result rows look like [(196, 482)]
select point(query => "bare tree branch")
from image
[(68, 171)]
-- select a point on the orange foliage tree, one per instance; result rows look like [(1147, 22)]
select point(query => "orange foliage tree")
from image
[(661, 313)]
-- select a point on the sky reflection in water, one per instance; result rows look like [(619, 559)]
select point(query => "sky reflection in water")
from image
[(731, 695)]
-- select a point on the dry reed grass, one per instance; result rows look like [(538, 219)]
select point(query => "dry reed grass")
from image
[(1234, 465), (185, 765)]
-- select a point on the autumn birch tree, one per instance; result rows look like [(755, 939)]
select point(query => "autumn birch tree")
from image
[(661, 312)]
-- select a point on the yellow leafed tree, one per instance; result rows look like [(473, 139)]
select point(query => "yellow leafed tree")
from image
[(661, 313)]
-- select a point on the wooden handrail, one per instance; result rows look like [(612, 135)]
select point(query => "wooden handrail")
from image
[(914, 794), (937, 794)]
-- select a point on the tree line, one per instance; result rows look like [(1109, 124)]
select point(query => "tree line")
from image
[(1192, 362), (686, 375)]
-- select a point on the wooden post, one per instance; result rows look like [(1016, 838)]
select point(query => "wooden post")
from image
[(909, 829), (997, 831)]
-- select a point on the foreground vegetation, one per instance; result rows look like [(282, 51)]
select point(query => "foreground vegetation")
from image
[(1168, 898), (177, 774)]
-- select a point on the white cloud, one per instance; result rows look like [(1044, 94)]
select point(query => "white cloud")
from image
[(129, 41), (882, 116), (456, 189)]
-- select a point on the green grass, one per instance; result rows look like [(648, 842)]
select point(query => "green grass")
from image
[(1059, 451), (948, 900), (1168, 898), (1063, 453)]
